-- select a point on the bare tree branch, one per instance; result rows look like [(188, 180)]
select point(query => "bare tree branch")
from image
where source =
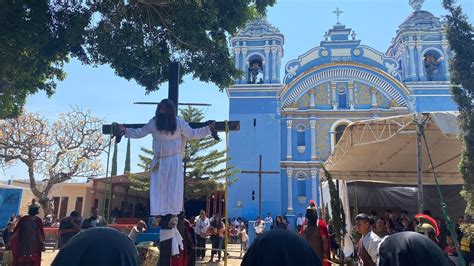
[(60, 151)]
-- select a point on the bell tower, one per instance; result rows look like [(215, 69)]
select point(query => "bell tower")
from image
[(258, 50)]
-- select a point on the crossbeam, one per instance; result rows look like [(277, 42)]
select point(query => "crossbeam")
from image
[(220, 127), (187, 104)]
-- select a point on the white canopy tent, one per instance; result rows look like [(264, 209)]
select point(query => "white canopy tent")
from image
[(385, 150)]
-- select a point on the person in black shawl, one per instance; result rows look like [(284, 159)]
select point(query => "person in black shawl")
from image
[(410, 248), (280, 248), (98, 246)]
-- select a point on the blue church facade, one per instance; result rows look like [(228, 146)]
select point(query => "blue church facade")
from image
[(294, 121)]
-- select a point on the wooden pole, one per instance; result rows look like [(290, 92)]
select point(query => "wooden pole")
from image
[(173, 83), (260, 185)]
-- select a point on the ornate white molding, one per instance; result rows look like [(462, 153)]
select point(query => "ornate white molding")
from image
[(289, 172), (312, 123), (289, 123), (349, 73)]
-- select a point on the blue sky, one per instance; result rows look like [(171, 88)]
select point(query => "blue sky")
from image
[(303, 22)]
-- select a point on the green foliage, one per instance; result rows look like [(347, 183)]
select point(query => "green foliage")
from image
[(36, 39), (204, 167), (137, 38), (337, 211), (127, 159), (141, 181), (113, 171), (327, 217), (461, 41)]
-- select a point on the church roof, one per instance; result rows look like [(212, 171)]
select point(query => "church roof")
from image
[(421, 20), (258, 28)]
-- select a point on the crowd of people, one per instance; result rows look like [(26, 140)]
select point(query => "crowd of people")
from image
[(375, 228), (388, 239)]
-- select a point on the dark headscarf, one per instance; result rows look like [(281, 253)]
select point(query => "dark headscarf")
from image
[(98, 246), (280, 248), (410, 248)]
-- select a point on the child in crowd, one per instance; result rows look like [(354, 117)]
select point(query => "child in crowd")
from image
[(244, 237), (450, 249)]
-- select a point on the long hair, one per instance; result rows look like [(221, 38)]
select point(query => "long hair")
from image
[(166, 121)]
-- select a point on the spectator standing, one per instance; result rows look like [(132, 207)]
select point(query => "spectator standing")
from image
[(6, 235), (27, 239), (95, 220), (300, 221), (244, 237), (69, 227), (367, 247), (259, 226), (269, 219), (140, 227), (381, 227), (217, 231), (200, 228)]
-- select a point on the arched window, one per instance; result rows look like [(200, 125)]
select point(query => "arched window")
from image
[(342, 97), (339, 131), (432, 64), (300, 135), (301, 185), (255, 72)]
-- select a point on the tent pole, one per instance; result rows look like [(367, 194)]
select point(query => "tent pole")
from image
[(419, 163)]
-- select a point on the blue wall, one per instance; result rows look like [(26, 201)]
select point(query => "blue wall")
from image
[(10, 199), (246, 146)]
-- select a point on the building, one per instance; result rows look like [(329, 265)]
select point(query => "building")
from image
[(67, 197), (294, 121)]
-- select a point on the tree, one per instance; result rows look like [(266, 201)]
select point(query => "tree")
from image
[(337, 212), (461, 42), (36, 40), (69, 147), (137, 38), (113, 171), (127, 159), (204, 168)]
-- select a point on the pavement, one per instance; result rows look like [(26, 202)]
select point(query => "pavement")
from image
[(234, 258)]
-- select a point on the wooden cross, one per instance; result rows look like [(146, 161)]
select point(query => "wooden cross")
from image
[(337, 12), (173, 93), (259, 172)]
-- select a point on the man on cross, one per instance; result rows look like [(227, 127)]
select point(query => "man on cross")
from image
[(169, 140)]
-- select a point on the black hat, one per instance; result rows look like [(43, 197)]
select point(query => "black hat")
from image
[(362, 216)]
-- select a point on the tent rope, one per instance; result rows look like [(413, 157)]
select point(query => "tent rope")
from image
[(444, 206)]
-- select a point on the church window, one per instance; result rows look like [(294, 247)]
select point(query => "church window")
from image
[(300, 135), (342, 97), (339, 131), (301, 184), (432, 64), (255, 72)]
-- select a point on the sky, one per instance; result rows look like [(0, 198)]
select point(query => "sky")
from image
[(303, 23)]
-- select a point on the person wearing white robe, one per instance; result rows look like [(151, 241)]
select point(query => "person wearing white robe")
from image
[(166, 178)]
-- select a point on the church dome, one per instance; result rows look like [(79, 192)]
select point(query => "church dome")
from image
[(421, 20), (258, 28)]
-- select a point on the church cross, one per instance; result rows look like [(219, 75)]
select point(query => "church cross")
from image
[(338, 12), (259, 172)]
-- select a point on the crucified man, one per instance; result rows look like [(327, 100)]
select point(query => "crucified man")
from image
[(169, 139)]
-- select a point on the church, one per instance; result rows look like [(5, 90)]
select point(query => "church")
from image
[(294, 121)]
